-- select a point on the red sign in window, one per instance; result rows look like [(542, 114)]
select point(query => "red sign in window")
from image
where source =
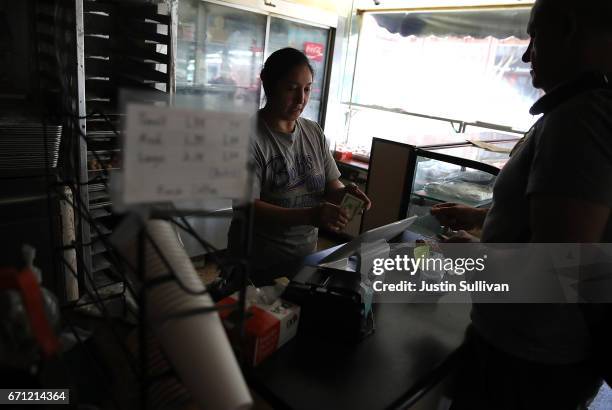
[(314, 51)]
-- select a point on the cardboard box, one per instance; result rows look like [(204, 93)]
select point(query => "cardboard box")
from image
[(267, 327)]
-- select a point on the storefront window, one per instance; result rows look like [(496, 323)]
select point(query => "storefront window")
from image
[(461, 65)]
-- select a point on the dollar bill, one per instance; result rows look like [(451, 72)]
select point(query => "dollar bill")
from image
[(352, 205)]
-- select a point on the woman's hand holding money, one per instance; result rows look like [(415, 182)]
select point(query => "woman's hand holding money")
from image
[(353, 189), (330, 216)]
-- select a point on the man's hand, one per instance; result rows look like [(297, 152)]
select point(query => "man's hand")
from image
[(331, 217), (353, 189), (460, 237), (458, 217)]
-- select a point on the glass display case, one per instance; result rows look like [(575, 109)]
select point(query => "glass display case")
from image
[(448, 179), (405, 180)]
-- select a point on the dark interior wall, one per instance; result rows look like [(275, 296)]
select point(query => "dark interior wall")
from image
[(15, 47)]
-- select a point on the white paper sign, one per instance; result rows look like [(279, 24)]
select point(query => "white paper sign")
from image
[(182, 154)]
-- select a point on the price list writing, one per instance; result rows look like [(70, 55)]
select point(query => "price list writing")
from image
[(181, 154)]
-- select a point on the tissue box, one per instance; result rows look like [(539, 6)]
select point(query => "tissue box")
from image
[(267, 327)]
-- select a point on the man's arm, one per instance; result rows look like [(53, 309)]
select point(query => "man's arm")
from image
[(459, 217), (556, 219)]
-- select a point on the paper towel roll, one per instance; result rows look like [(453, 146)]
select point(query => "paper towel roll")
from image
[(164, 392), (197, 346)]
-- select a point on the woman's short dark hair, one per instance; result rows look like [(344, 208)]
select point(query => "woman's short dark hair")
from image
[(279, 64)]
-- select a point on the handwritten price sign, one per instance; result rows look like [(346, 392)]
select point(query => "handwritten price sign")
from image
[(181, 154)]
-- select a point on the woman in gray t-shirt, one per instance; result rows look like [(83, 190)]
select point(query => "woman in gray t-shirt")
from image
[(296, 180)]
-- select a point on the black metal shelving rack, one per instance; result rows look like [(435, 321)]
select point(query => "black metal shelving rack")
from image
[(124, 45), (86, 52)]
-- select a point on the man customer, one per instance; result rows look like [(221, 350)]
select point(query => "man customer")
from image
[(557, 187)]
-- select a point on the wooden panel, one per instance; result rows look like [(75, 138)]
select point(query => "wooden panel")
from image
[(389, 162)]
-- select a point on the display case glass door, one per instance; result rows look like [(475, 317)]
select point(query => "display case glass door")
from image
[(437, 181), (220, 54), (312, 41), (464, 178), (221, 51)]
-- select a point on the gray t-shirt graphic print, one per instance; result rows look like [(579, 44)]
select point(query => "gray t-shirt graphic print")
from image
[(292, 182)]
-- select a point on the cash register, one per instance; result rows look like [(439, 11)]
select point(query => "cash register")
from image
[(336, 294)]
